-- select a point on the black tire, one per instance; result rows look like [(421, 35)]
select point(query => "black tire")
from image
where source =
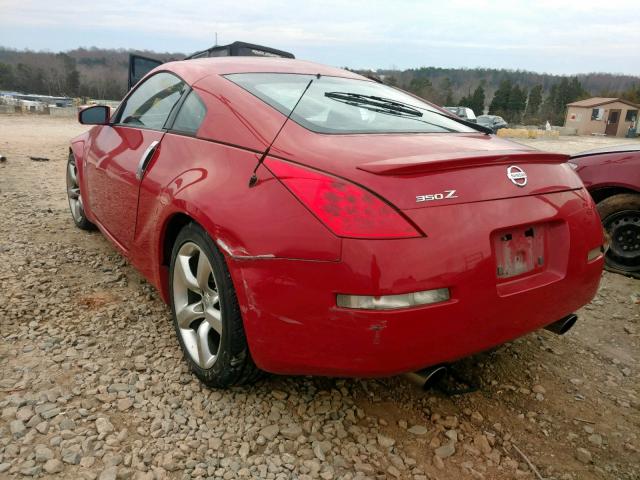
[(73, 190), (233, 364), (620, 216)]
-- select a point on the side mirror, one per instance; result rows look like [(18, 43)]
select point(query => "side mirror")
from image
[(96, 115)]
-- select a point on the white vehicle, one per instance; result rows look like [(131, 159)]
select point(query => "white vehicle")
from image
[(463, 112)]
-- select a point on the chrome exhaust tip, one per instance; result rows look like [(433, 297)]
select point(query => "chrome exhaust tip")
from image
[(428, 377), (563, 325)]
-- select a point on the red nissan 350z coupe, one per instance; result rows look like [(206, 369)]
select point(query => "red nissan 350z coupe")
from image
[(302, 219)]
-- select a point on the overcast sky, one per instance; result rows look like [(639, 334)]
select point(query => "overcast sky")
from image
[(559, 36)]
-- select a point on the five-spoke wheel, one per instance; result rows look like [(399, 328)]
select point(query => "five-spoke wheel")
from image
[(197, 305), (206, 313), (75, 196)]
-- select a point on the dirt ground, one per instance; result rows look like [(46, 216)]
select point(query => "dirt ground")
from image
[(92, 384), (572, 145)]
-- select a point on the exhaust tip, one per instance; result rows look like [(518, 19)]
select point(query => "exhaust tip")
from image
[(563, 325), (428, 377)]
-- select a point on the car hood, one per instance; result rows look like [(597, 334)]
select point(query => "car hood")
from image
[(402, 168)]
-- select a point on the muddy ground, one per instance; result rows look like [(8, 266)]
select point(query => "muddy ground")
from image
[(92, 384)]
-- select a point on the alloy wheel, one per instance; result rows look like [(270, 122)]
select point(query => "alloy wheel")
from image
[(197, 305), (73, 191)]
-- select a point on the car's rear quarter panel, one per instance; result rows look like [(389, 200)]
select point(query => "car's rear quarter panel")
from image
[(208, 181)]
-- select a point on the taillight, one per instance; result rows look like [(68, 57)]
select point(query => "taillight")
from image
[(348, 210)]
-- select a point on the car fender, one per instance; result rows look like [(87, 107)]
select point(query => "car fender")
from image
[(619, 170), (78, 148)]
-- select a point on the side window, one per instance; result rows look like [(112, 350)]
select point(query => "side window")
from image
[(191, 114), (151, 103)]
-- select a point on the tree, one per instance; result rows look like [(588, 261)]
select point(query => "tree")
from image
[(31, 80), (446, 92), (500, 103), (391, 80), (560, 94), (7, 79), (73, 82), (533, 105), (423, 88), (516, 103), (71, 85), (632, 94), (478, 99)]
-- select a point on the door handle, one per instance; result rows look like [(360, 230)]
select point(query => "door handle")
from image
[(144, 160)]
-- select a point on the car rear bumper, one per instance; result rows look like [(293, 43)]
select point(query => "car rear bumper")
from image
[(294, 326)]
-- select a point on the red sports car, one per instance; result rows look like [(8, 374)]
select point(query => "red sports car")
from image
[(302, 219), (612, 177)]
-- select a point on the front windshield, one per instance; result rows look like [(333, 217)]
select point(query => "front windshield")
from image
[(484, 119), (344, 105)]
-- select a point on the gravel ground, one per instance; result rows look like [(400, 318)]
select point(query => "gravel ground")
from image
[(572, 145), (92, 382)]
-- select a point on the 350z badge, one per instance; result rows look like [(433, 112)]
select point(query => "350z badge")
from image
[(430, 197)]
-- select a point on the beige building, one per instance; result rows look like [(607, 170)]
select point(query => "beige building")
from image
[(602, 116)]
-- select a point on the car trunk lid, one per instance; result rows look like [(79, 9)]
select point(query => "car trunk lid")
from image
[(419, 171), (428, 180)]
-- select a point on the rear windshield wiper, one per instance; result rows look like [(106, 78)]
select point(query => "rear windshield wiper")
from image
[(359, 100), (383, 105), (396, 107), (475, 126)]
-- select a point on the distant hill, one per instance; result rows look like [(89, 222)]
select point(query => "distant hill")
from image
[(102, 74), (465, 80), (91, 72)]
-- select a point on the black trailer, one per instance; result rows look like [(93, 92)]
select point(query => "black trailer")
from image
[(139, 66)]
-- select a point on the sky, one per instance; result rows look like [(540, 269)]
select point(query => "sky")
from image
[(559, 36)]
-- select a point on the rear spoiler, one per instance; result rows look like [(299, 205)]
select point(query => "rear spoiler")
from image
[(448, 161), (139, 66)]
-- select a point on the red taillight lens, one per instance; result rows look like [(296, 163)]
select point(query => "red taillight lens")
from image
[(348, 210)]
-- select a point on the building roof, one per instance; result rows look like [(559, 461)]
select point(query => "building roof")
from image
[(597, 101)]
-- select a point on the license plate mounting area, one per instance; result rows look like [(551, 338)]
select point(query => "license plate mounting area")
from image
[(519, 251)]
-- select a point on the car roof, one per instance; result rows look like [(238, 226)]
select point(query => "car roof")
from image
[(196, 69)]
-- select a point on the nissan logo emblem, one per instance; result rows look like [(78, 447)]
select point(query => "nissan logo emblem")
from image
[(517, 176)]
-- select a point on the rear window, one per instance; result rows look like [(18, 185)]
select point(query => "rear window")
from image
[(344, 105)]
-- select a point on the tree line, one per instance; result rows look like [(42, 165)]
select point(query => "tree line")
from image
[(93, 73), (517, 95)]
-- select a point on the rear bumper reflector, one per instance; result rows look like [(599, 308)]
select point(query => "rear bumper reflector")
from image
[(390, 302)]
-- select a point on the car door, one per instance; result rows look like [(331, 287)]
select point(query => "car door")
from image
[(119, 152)]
